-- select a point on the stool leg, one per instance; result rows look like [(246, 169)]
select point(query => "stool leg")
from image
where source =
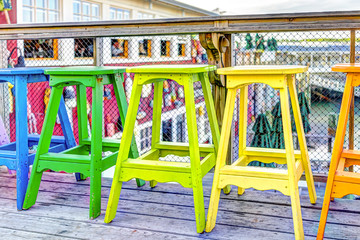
[(301, 137), (22, 167), (337, 150), (210, 107), (68, 132), (123, 107), (156, 123), (243, 113), (96, 149), (196, 175), (123, 152), (82, 113), (221, 159), (44, 144), (290, 159)]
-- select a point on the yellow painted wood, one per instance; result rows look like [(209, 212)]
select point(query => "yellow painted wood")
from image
[(262, 70), (221, 159), (149, 167), (243, 176), (243, 109), (123, 151), (156, 125), (301, 138), (244, 182), (289, 147)]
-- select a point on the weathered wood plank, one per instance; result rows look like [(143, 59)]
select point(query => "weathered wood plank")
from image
[(6, 233), (235, 213)]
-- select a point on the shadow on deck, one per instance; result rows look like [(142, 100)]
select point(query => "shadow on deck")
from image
[(165, 212)]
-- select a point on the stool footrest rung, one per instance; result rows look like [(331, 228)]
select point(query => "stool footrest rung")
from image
[(260, 172), (183, 146), (71, 158), (157, 165), (351, 154), (269, 152)]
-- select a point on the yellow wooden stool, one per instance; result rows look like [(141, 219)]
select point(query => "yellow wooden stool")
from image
[(261, 178), (341, 182)]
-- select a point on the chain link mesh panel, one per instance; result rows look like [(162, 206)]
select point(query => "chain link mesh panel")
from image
[(321, 87)]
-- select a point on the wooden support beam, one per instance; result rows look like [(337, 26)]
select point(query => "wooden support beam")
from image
[(345, 20), (352, 106)]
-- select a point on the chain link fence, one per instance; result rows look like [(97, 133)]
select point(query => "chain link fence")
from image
[(321, 88)]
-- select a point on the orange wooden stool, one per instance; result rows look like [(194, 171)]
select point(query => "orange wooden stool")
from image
[(340, 182)]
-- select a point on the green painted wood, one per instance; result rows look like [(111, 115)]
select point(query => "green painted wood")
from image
[(172, 68), (82, 113), (148, 167), (43, 147), (84, 71), (87, 157), (196, 175), (96, 150), (156, 124)]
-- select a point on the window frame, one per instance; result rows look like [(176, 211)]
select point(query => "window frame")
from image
[(149, 43), (126, 48), (45, 8), (93, 40), (117, 9), (55, 44), (90, 16), (167, 48)]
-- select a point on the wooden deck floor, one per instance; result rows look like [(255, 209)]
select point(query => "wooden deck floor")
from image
[(166, 212)]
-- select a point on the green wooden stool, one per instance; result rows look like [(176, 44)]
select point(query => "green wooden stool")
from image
[(147, 167), (86, 158)]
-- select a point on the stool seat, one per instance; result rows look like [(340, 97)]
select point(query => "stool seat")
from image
[(346, 67), (341, 181), (149, 166), (239, 173), (262, 69), (86, 158), (181, 68), (15, 155), (85, 70)]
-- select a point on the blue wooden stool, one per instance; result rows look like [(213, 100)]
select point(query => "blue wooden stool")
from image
[(16, 155)]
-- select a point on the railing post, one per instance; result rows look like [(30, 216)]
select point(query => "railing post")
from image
[(219, 52), (352, 106), (98, 53)]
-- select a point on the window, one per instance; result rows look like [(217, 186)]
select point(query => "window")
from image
[(40, 11), (119, 48), (180, 128), (83, 47), (165, 48), (119, 14), (167, 130), (86, 11), (145, 48), (145, 138), (181, 49), (144, 15), (41, 48)]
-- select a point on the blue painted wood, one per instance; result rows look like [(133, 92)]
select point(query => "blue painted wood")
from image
[(22, 150), (8, 154), (9, 163), (19, 77), (8, 147)]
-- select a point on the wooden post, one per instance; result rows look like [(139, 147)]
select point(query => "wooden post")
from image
[(219, 52), (352, 106), (98, 53)]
